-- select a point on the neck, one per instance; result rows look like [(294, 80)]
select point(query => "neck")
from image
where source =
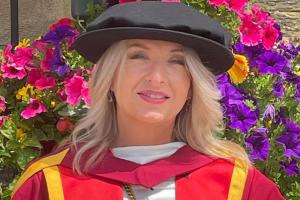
[(138, 133)]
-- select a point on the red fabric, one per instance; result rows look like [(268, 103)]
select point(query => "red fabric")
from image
[(259, 187), (34, 188), (75, 188), (184, 160), (209, 182), (209, 178)]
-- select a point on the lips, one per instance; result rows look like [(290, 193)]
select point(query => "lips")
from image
[(153, 97), (154, 94)]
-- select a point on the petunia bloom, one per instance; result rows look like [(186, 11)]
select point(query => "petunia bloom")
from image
[(271, 62), (278, 88), (11, 70), (56, 36), (290, 143), (76, 89), (241, 117), (35, 107), (270, 35), (259, 144), (290, 167), (58, 64)]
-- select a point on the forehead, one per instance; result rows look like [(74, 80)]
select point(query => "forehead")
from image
[(149, 44)]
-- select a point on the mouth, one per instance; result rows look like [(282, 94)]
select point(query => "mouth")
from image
[(154, 94), (154, 97)]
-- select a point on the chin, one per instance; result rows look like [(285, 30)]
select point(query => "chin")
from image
[(152, 117)]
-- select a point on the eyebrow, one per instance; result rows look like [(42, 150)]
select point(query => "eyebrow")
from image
[(144, 47)]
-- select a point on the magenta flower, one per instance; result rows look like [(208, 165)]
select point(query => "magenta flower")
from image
[(250, 31), (36, 78), (75, 89), (46, 63), (33, 76), (2, 120), (2, 104), (236, 5), (35, 107), (11, 70), (86, 94), (217, 2), (45, 83), (270, 35)]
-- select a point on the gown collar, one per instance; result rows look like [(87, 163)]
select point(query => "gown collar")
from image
[(182, 162)]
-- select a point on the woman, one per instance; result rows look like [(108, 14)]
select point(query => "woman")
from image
[(151, 130)]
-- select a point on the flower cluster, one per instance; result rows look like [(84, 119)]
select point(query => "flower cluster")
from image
[(264, 114), (43, 92)]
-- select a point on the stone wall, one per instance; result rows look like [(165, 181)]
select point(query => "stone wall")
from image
[(287, 13), (36, 15)]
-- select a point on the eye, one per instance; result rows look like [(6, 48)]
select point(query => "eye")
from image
[(137, 56), (179, 61)]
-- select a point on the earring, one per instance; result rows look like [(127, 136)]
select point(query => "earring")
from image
[(110, 96)]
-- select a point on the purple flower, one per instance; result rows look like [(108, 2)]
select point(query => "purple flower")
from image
[(290, 143), (241, 117), (271, 62), (58, 64), (56, 36), (251, 52), (269, 113), (290, 167), (278, 88), (278, 28), (288, 50), (291, 126), (259, 144), (281, 117)]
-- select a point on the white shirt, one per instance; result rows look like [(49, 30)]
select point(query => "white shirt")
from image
[(145, 154)]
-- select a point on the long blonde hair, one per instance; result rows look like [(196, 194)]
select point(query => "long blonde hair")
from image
[(197, 124)]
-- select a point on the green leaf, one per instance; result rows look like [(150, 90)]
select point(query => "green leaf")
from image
[(31, 142)]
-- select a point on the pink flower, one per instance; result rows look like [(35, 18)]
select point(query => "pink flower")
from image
[(260, 16), (33, 76), (270, 35), (39, 45), (37, 79), (126, 1), (74, 88), (45, 83), (236, 5), (63, 21), (35, 107), (45, 64), (7, 53), (86, 94), (250, 32), (23, 56), (172, 1), (2, 104), (13, 71), (2, 120), (217, 2)]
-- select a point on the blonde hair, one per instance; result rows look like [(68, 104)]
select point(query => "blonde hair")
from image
[(197, 124)]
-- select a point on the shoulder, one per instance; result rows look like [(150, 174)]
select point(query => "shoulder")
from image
[(258, 186), (31, 184)]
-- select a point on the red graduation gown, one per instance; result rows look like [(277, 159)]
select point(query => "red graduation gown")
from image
[(197, 176)]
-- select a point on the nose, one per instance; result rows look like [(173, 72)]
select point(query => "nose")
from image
[(157, 74)]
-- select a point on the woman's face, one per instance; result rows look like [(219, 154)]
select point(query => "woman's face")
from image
[(153, 84)]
